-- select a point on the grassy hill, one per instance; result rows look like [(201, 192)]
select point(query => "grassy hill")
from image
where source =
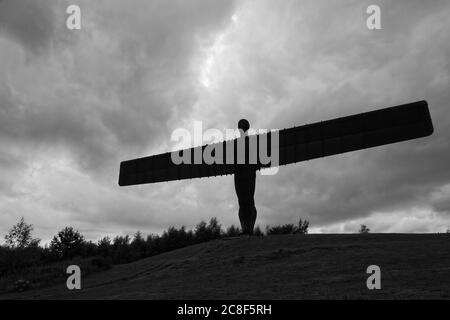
[(413, 266)]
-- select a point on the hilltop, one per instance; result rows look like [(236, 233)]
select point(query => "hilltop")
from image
[(332, 266)]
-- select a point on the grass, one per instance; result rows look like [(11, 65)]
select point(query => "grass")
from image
[(36, 277), (328, 266)]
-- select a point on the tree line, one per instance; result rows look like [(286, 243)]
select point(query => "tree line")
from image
[(21, 251)]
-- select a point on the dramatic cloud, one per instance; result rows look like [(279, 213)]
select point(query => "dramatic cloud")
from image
[(73, 104), (29, 22)]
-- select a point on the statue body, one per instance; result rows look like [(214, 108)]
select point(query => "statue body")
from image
[(244, 184)]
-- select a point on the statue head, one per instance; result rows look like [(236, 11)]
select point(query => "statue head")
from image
[(244, 125)]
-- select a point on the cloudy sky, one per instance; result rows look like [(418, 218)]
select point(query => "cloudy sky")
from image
[(74, 103)]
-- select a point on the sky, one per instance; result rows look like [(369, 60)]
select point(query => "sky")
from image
[(74, 103)]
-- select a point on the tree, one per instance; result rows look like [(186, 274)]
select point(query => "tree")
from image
[(206, 232), (67, 243), (19, 236), (364, 229), (214, 228), (104, 246), (138, 245), (121, 249), (302, 226), (232, 231), (257, 232)]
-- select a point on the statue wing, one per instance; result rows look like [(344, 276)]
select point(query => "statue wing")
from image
[(307, 142)]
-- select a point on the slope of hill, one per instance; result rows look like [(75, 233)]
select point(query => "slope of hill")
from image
[(278, 267)]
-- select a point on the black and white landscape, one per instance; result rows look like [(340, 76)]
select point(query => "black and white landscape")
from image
[(85, 85)]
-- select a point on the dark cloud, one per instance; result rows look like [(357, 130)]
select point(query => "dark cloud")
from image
[(30, 22), (128, 75)]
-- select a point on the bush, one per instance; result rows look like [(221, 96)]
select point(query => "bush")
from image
[(301, 228), (14, 260), (284, 229), (41, 275), (101, 263), (22, 285)]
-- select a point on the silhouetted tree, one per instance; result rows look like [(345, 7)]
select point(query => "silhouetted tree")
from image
[(67, 243), (302, 227), (363, 229), (153, 244), (138, 245), (257, 232), (89, 249), (206, 232), (214, 228), (175, 238), (19, 236), (121, 249), (201, 233), (104, 247), (232, 231)]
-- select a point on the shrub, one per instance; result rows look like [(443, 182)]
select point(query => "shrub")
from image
[(284, 229), (301, 228), (14, 260), (101, 263), (22, 285)]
